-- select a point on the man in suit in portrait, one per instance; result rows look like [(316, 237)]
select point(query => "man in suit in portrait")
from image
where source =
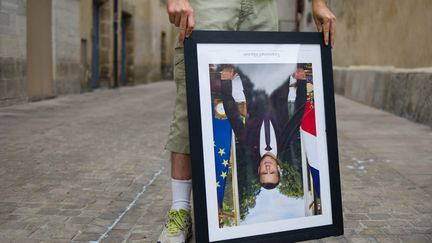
[(264, 124)]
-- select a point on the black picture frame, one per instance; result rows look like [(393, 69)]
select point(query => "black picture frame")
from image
[(199, 153)]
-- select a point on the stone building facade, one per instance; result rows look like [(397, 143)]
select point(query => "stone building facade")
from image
[(66, 46), (382, 56), (383, 33), (54, 47), (138, 52), (13, 51)]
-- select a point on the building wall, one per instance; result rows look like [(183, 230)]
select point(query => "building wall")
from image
[(39, 58), (42, 59), (149, 20), (385, 33), (382, 55), (146, 22), (66, 46), (61, 45), (147, 28), (106, 43), (86, 20), (13, 51), (131, 8), (167, 43), (404, 92), (129, 45)]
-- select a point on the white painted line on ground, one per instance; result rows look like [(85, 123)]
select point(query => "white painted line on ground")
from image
[(132, 204)]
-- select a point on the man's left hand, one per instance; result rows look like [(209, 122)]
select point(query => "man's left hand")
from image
[(325, 20)]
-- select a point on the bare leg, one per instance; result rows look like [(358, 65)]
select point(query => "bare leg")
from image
[(181, 167)]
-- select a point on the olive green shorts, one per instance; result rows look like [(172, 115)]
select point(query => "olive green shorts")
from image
[(232, 15)]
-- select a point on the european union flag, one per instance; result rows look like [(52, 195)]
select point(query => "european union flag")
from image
[(222, 148)]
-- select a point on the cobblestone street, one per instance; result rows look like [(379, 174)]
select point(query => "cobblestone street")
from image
[(81, 167)]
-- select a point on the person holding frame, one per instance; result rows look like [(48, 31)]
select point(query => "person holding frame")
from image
[(234, 15)]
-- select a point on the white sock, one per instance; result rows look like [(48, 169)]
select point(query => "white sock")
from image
[(181, 190)]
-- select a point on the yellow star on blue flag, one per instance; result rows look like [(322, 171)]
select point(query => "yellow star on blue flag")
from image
[(222, 135), (225, 162)]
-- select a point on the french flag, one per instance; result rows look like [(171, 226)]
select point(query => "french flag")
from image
[(309, 140)]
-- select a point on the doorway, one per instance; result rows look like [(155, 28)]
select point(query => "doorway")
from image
[(94, 81), (126, 49)]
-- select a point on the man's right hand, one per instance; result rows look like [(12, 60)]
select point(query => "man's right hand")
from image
[(182, 15)]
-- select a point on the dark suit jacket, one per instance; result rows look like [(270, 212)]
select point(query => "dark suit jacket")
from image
[(260, 107)]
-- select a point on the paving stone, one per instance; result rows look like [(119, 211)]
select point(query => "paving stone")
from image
[(339, 239), (11, 234), (374, 223), (70, 212), (415, 239), (125, 226), (26, 211), (379, 216), (410, 216), (137, 237), (49, 211), (348, 224), (112, 240), (423, 221), (5, 239), (91, 228), (425, 208), (109, 215), (362, 239), (90, 213), (55, 241), (396, 231), (24, 240), (73, 206), (80, 220), (422, 230), (102, 222), (387, 239), (398, 223), (7, 209), (13, 225), (372, 231), (86, 236), (118, 233), (356, 216), (380, 209)]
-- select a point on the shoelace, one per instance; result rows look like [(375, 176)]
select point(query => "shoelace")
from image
[(176, 221)]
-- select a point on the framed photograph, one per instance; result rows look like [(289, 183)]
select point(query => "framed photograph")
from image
[(263, 137)]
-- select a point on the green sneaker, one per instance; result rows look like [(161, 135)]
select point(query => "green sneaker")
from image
[(178, 228)]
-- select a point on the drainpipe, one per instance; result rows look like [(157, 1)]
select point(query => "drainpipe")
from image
[(116, 20)]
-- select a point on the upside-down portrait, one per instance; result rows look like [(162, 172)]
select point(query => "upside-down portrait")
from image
[(263, 122)]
